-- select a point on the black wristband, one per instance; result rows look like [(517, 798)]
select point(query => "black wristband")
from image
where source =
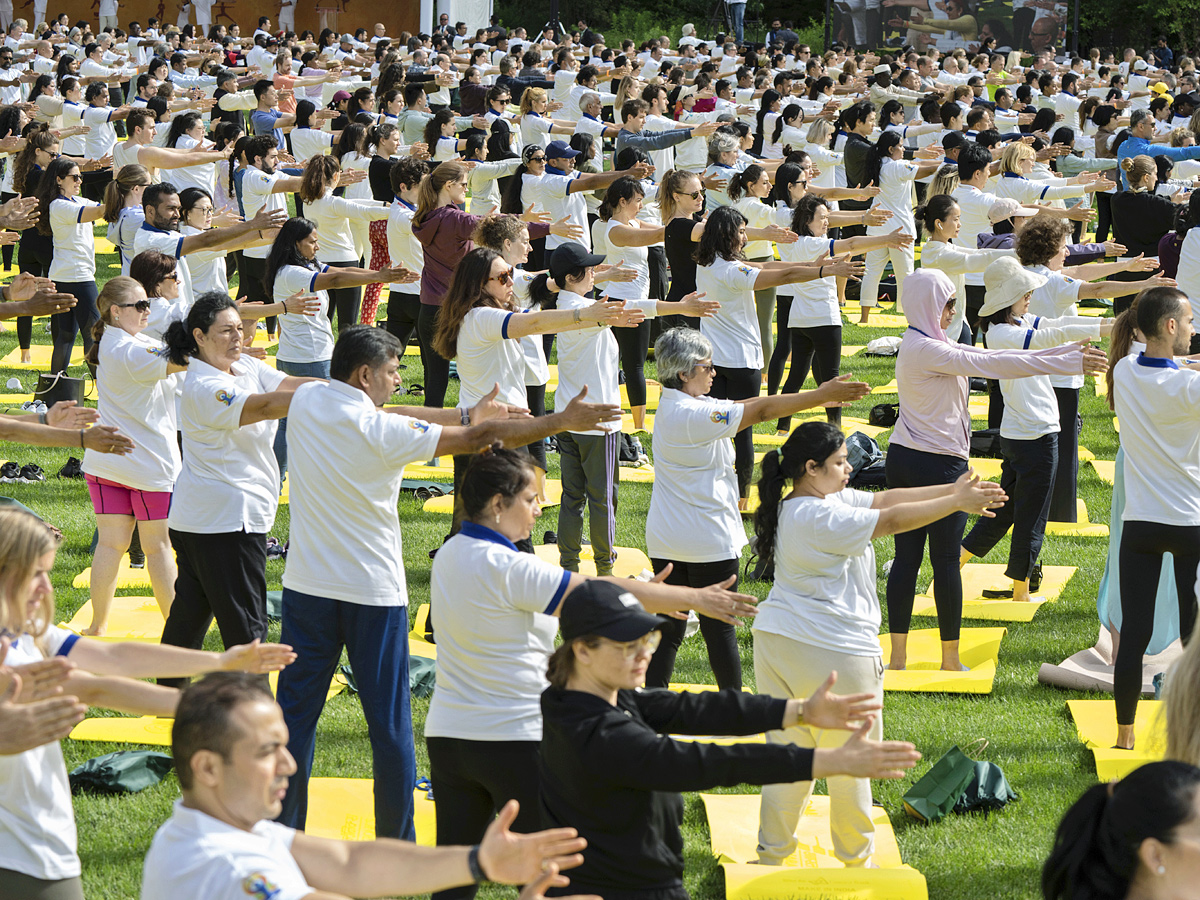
[(473, 865)]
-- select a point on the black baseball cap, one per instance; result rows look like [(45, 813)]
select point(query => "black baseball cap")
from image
[(570, 257), (605, 610)]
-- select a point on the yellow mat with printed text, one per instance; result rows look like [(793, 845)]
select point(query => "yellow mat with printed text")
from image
[(1096, 725)]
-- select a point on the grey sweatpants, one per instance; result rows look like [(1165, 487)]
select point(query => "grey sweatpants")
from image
[(589, 477)]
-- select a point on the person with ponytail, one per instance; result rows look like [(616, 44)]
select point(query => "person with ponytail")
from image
[(1133, 839), (187, 133), (786, 135), (485, 190), (695, 481), (444, 231), (887, 168), (336, 217), (227, 492), (440, 136), (768, 114), (931, 445), (383, 143), (749, 190), (823, 615), (135, 393), (814, 320), (123, 209)]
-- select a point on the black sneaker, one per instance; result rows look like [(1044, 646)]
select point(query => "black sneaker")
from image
[(73, 469), (550, 537), (10, 472), (1035, 579), (137, 559), (31, 474)]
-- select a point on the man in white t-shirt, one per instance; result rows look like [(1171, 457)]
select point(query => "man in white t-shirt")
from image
[(344, 584), (140, 149), (230, 744), (263, 186)]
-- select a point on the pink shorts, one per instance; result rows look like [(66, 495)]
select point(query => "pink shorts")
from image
[(112, 499)]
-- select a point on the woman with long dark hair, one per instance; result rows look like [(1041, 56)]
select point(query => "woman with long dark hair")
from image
[(382, 143), (306, 341), (823, 614), (187, 133)]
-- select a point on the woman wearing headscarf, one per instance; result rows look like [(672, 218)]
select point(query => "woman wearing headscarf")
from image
[(931, 444)]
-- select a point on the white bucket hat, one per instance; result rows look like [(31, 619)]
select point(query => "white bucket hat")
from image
[(1007, 281)]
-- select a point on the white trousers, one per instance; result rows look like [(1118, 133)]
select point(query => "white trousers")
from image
[(787, 668), (902, 265)]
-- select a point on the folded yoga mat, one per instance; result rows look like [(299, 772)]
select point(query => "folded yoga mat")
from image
[(420, 623), (1091, 669), (129, 619), (1106, 469), (630, 563), (979, 650), (343, 809), (40, 354), (126, 577), (445, 504), (1096, 724), (733, 826), (152, 729), (977, 576)]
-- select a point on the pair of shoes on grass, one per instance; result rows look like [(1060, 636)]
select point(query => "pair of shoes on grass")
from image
[(30, 473)]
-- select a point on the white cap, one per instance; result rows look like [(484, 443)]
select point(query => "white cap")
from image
[(1140, 66), (883, 69)]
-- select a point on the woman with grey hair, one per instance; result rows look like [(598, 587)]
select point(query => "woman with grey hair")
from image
[(723, 164), (695, 483)]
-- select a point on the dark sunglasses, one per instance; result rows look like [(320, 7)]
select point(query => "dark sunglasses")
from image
[(505, 279), (139, 305), (695, 195), (541, 158)]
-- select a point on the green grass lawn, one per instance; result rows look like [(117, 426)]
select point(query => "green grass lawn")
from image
[(963, 858)]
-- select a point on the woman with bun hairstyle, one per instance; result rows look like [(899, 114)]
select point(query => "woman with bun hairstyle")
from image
[(1133, 839), (1140, 216), (931, 444), (823, 615)]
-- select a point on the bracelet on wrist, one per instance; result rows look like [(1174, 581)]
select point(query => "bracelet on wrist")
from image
[(81, 438), (473, 865)]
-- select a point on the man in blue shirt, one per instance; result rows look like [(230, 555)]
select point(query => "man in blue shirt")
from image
[(1141, 130), (266, 119)]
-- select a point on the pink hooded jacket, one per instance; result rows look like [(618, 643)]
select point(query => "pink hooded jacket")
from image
[(934, 373)]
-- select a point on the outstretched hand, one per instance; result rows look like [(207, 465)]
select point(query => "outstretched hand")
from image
[(843, 711), (510, 858)]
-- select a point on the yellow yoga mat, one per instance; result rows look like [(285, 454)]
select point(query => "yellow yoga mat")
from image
[(422, 472), (630, 561), (979, 650), (1106, 469), (152, 729), (637, 475), (733, 825), (129, 619), (853, 349), (1096, 724), (15, 399), (977, 576), (104, 245), (420, 622), (126, 577), (1101, 386), (627, 423), (986, 467), (40, 356), (344, 809), (890, 388), (653, 395), (445, 504), (882, 321)]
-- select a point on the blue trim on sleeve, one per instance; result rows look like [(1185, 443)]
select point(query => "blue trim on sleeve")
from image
[(179, 249), (312, 285), (1037, 321), (504, 327), (1028, 338), (558, 595), (65, 649), (831, 243), (80, 219), (1042, 196)]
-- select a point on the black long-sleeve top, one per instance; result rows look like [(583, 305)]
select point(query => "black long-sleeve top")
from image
[(610, 772), (1140, 219), (856, 150)]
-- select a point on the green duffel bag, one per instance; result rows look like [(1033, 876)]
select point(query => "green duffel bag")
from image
[(123, 772), (938, 790)]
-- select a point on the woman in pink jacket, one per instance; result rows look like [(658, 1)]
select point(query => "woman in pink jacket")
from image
[(931, 443)]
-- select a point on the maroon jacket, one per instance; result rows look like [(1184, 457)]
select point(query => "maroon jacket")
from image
[(445, 236)]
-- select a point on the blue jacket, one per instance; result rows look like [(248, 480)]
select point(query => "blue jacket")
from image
[(1135, 146)]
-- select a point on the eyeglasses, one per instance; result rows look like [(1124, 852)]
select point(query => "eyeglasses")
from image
[(631, 649), (51, 154), (172, 277), (203, 210), (705, 367), (695, 195), (74, 175), (541, 158), (139, 305), (506, 278)]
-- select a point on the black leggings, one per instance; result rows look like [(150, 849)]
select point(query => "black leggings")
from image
[(7, 250), (1063, 507), (1142, 547), (250, 285), (345, 302), (719, 638), (471, 781), (34, 255), (916, 468), (739, 384), (66, 326), (634, 344), (402, 312), (535, 397), (819, 346), (1104, 215), (437, 367), (783, 344)]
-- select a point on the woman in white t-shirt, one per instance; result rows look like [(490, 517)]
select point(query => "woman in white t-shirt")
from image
[(441, 136), (306, 342), (495, 611), (749, 190), (68, 218), (135, 394), (1030, 428), (187, 133), (695, 482), (38, 841), (725, 276), (480, 326), (123, 209), (309, 141), (197, 215), (337, 218), (485, 192), (887, 167), (823, 613), (814, 322)]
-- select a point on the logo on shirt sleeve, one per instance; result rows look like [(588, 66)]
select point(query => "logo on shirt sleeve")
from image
[(418, 425), (259, 887), (720, 418), (157, 351), (226, 397), (746, 270)]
